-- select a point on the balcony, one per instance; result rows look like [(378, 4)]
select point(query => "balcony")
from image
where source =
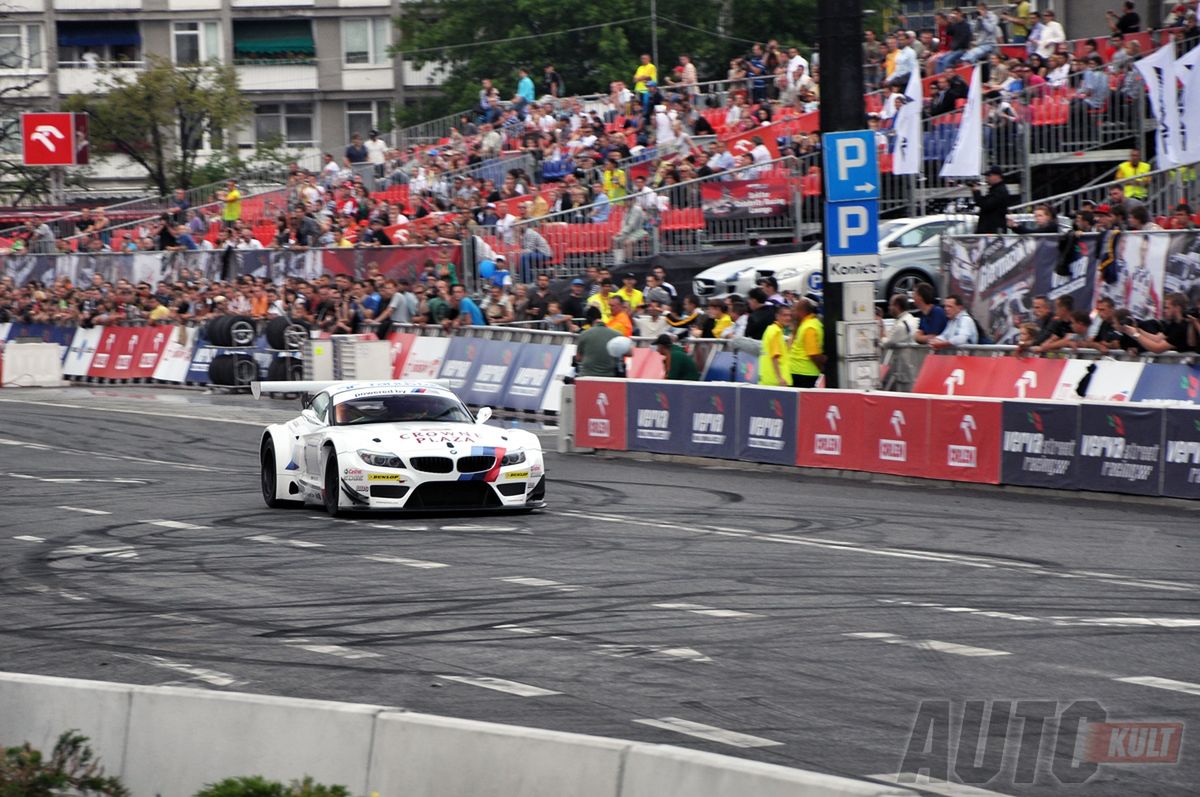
[(75, 77), (23, 82), (367, 78), (97, 5), (277, 76)]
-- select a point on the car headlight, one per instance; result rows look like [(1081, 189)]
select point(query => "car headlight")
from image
[(513, 458), (381, 460)]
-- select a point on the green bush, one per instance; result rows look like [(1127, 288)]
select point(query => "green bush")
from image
[(258, 786), (72, 767)]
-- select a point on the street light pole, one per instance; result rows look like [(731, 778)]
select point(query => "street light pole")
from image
[(654, 38)]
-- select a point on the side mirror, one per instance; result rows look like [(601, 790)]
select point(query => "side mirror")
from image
[(483, 415)]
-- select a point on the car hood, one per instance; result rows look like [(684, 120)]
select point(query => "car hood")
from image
[(428, 438)]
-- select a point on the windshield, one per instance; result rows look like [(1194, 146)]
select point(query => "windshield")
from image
[(400, 408)]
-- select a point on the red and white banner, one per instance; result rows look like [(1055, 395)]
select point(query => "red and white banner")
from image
[(990, 377), (401, 345), (830, 429), (54, 139), (1107, 380), (896, 434), (954, 376), (424, 359), (600, 406), (743, 143), (745, 199), (177, 356), (964, 440)]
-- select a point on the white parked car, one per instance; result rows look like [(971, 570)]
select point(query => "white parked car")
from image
[(395, 445), (910, 251)]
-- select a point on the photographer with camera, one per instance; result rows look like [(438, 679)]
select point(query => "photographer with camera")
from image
[(1127, 22)]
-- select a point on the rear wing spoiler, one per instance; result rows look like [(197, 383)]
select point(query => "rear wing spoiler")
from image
[(257, 389)]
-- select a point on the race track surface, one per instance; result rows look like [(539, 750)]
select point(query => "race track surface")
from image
[(790, 619)]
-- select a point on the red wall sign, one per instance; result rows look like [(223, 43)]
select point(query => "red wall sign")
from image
[(964, 440), (600, 414), (54, 139)]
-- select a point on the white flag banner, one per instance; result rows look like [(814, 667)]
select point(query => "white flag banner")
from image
[(1187, 73), (906, 158), (1158, 70), (966, 157)]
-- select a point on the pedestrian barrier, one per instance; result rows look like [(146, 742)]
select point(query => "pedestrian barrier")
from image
[(171, 741), (1104, 446), (30, 365)]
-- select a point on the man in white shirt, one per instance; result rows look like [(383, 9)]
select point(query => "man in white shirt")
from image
[(376, 149), (1051, 34), (906, 60), (960, 329)]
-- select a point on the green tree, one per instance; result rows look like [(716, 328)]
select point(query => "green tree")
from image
[(158, 117), (71, 769), (711, 32)]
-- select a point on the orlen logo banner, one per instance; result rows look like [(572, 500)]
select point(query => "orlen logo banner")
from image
[(711, 415), (1173, 382), (531, 376), (1038, 443), (831, 429), (656, 417), (600, 413), (1181, 453), (964, 440), (425, 356), (401, 344), (1102, 380), (766, 426), (954, 376), (1023, 377), (896, 434), (1120, 448)]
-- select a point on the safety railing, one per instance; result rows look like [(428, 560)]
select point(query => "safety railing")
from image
[(1001, 350), (1160, 190)]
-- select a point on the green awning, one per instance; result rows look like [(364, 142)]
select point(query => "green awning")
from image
[(275, 37)]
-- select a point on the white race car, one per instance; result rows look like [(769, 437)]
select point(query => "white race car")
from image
[(395, 445)]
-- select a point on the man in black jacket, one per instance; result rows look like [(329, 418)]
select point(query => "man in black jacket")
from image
[(993, 207), (762, 313)]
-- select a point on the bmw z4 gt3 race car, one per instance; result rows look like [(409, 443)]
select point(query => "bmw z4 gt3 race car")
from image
[(398, 445)]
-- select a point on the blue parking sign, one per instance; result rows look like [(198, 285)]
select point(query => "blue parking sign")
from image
[(851, 166), (852, 228)]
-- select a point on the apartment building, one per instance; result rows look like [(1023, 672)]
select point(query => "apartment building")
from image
[(316, 71)]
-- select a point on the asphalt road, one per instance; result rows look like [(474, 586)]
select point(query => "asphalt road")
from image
[(794, 620)]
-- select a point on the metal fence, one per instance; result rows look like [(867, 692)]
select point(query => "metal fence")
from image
[(1164, 189)]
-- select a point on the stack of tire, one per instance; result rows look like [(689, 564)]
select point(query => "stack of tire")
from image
[(285, 334), (232, 331)]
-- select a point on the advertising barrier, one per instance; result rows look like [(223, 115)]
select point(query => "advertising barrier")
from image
[(492, 374), (710, 413), (964, 440), (177, 357), (766, 427), (425, 357), (82, 349), (732, 366), (830, 421), (600, 413), (401, 345), (1168, 382), (1038, 444), (1181, 453), (461, 362), (655, 416), (533, 370), (896, 429), (1120, 448)]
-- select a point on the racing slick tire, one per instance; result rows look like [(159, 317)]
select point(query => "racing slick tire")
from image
[(332, 494), (283, 333), (269, 479)]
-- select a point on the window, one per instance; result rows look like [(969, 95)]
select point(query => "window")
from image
[(91, 44), (289, 123), (21, 47), (273, 41), (365, 41), (196, 43), (367, 115)]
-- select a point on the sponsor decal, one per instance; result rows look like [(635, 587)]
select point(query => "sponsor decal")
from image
[(895, 450), (655, 424), (1122, 459), (600, 427), (766, 431), (829, 444), (385, 477), (1134, 742), (424, 437), (964, 456), (517, 474), (529, 381), (709, 427)]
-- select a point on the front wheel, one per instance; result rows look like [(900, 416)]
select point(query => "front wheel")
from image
[(905, 282), (333, 487)]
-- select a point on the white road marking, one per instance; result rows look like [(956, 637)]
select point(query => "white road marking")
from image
[(709, 733), (84, 510), (74, 480), (1064, 621), (521, 629), (1162, 683), (213, 677), (478, 528), (927, 644), (397, 560), (652, 651), (114, 552), (28, 538), (172, 415), (273, 540), (923, 783), (902, 553), (501, 685), (42, 589), (398, 528), (340, 651), (173, 524), (127, 457), (528, 581), (707, 611)]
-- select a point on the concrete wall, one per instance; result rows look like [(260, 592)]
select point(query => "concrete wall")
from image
[(170, 741)]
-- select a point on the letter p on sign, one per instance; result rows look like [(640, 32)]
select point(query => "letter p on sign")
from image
[(853, 222), (852, 154)]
